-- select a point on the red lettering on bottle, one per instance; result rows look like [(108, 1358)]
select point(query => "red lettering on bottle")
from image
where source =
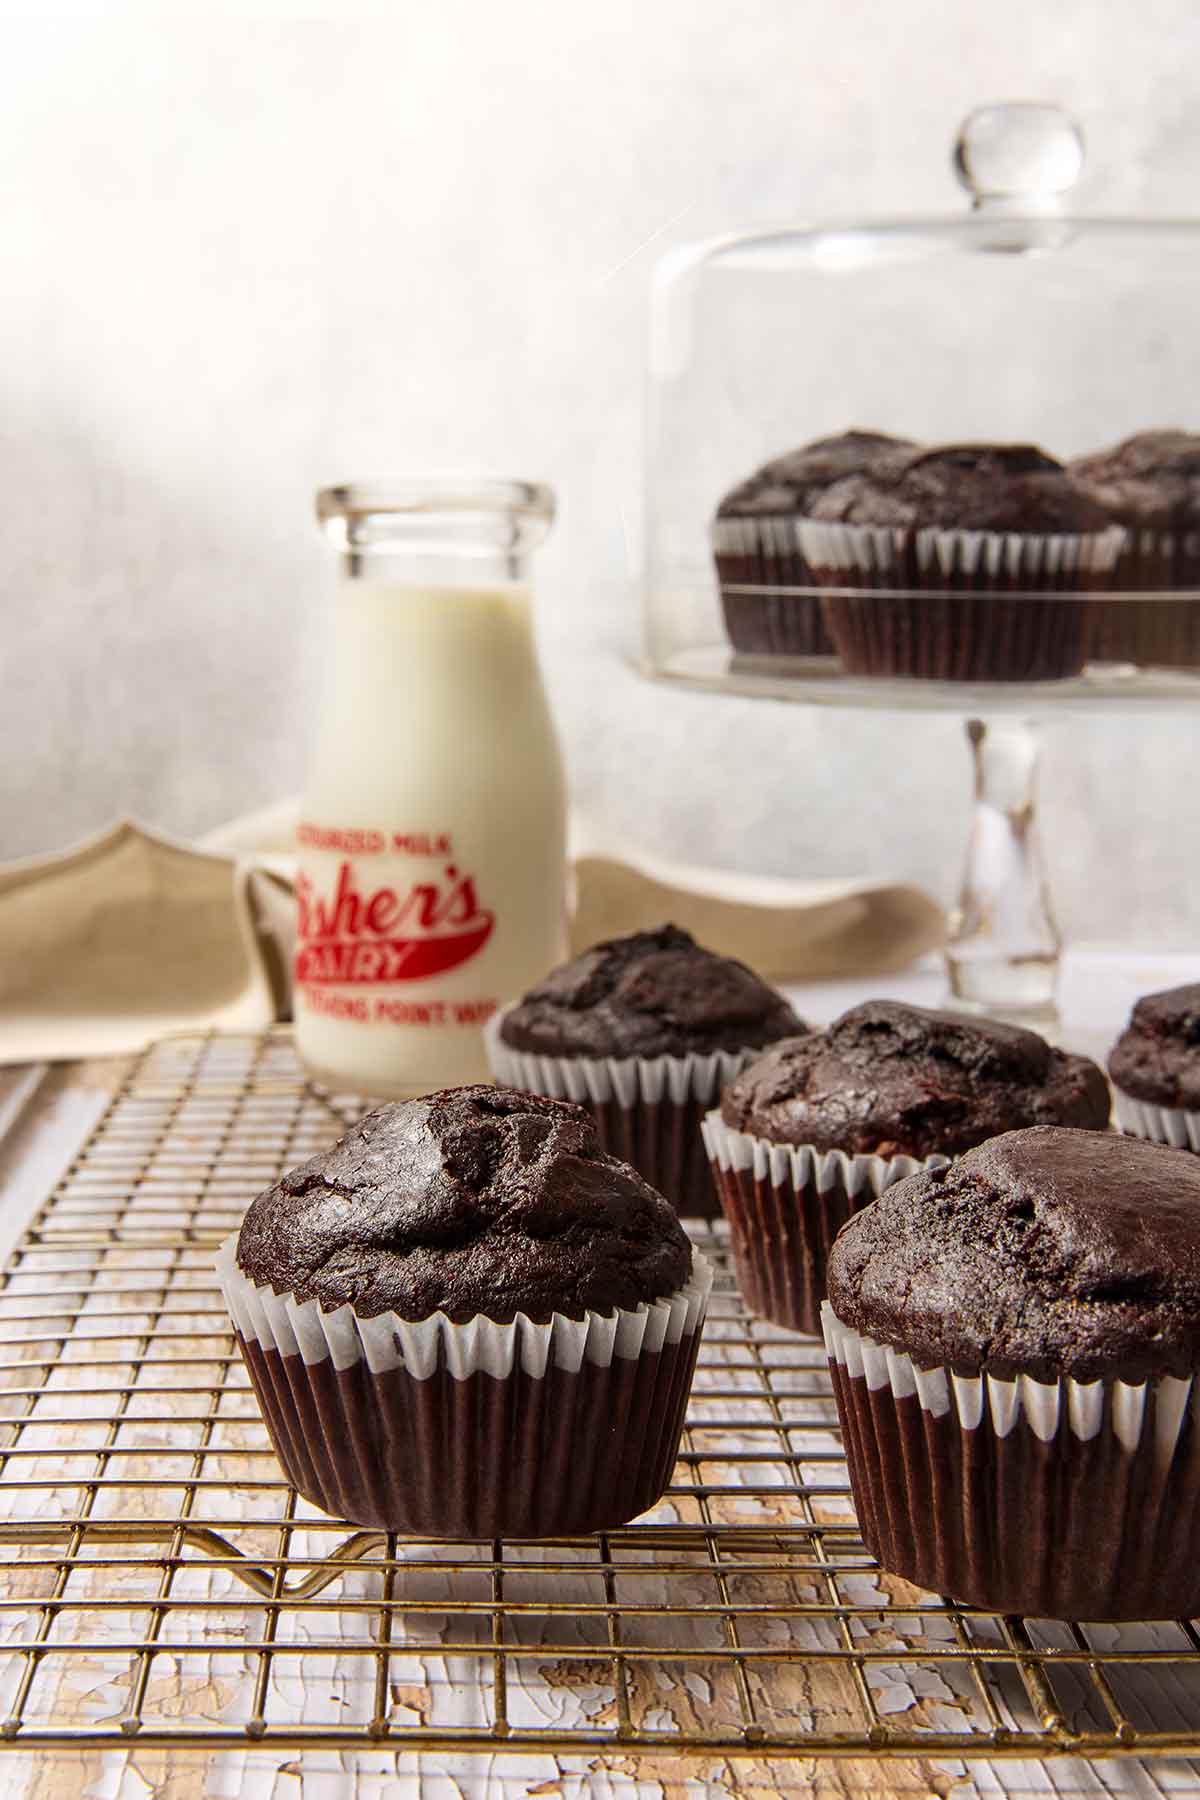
[(461, 902), (346, 913), (384, 936), (304, 919), (421, 907), (351, 842), (421, 843), (382, 910)]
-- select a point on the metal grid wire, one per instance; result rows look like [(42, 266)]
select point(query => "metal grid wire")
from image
[(161, 1582)]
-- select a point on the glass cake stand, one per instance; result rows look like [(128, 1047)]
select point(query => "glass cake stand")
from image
[(1016, 322)]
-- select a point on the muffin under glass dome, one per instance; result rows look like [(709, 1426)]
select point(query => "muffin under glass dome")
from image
[(1019, 322)]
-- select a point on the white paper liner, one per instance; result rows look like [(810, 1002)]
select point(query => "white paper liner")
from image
[(625, 1079), (803, 1166), (769, 536), (280, 1322), (1043, 1404), (1173, 1125), (873, 550)]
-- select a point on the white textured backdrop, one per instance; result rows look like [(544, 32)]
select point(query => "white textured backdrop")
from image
[(244, 256)]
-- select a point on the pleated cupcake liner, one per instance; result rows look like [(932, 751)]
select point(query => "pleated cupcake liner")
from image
[(763, 555), (959, 605), (648, 1110), (1173, 1125), (785, 1205), (472, 1430), (1061, 1500), (1161, 630)]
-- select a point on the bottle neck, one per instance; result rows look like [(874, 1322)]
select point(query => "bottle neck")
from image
[(436, 533), (397, 565)]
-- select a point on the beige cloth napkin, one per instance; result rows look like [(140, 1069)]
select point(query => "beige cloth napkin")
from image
[(122, 939), (133, 934)]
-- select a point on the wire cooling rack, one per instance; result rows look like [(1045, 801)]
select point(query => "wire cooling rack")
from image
[(162, 1585)]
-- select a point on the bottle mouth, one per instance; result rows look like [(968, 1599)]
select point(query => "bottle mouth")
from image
[(434, 494), (469, 515)]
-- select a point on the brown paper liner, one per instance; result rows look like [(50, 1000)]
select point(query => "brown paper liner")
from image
[(1067, 1528), (785, 1204), (948, 638), (478, 1428), (662, 1140), (780, 1236), (557, 1455), (1156, 632), (950, 617), (757, 561)]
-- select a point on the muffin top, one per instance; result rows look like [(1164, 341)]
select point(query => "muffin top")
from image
[(1157, 1056), (893, 1080), (650, 993), (1150, 481), (964, 487), (1044, 1252), (473, 1200), (788, 483)]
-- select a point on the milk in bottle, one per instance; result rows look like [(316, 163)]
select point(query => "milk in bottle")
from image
[(432, 838)]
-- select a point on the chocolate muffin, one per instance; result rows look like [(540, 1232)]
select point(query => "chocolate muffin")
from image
[(888, 1079), (1150, 484), (466, 1320), (959, 564), (643, 1030), (1155, 1069), (820, 1125), (758, 557), (1014, 1342)]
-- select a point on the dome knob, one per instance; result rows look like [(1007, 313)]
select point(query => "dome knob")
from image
[(1019, 156)]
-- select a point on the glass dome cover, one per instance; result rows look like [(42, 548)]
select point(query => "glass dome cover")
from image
[(1019, 323), (1016, 322)]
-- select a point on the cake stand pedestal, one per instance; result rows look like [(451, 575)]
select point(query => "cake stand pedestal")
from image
[(1004, 946)]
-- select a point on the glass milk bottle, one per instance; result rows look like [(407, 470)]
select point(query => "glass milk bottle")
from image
[(431, 881)]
